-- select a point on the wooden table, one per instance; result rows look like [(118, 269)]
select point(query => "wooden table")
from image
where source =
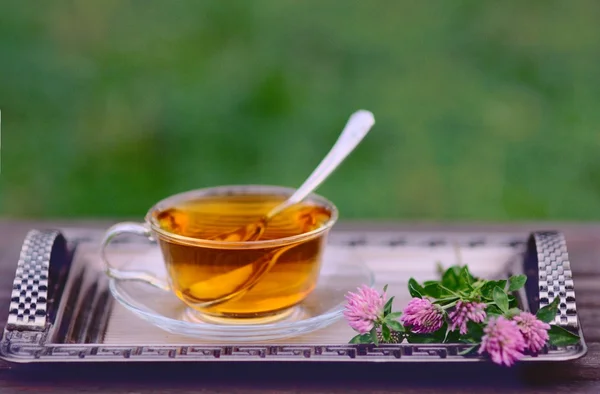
[(580, 376)]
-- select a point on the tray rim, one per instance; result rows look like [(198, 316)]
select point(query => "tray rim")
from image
[(31, 345)]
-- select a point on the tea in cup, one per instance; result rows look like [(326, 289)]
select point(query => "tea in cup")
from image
[(227, 281)]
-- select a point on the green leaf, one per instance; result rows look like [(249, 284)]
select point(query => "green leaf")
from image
[(501, 299), (474, 332), (451, 278), (493, 310), (395, 325), (479, 284), (561, 337), (385, 288), (356, 339), (415, 289), (374, 335), (387, 309), (361, 338), (433, 290), (430, 282), (447, 292), (487, 290), (548, 313), (385, 331), (516, 282), (392, 316), (466, 280)]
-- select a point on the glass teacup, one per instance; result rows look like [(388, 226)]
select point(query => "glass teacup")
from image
[(229, 281)]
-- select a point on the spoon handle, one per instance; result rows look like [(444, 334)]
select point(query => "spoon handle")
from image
[(356, 128)]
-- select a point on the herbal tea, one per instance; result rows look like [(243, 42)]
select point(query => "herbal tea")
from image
[(254, 282)]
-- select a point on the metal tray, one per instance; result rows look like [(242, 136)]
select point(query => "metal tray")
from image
[(61, 309)]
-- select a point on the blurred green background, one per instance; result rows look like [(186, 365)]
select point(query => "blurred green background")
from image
[(486, 110)]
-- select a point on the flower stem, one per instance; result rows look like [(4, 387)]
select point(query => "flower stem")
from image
[(450, 305)]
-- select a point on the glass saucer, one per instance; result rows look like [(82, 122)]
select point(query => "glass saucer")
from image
[(341, 272)]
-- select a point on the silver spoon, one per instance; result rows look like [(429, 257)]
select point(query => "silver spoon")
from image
[(356, 129)]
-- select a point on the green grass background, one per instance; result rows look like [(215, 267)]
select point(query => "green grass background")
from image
[(486, 110)]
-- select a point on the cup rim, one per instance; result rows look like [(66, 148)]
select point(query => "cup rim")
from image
[(238, 189)]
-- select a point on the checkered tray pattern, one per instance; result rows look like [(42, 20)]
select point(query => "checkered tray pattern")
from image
[(555, 277), (30, 287)]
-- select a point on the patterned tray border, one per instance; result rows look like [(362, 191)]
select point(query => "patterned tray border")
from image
[(546, 262)]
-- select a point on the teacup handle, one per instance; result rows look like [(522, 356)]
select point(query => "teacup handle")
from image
[(114, 231)]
